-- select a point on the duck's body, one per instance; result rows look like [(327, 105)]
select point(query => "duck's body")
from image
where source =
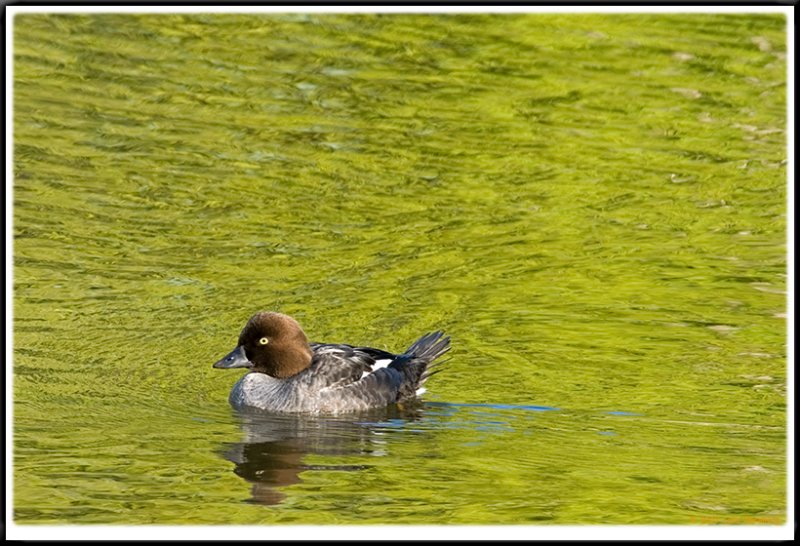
[(289, 374)]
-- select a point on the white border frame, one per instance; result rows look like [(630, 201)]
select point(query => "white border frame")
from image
[(394, 532)]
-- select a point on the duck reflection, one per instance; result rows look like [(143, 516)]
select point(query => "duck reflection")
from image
[(274, 445)]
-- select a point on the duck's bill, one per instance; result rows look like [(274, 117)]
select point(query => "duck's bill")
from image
[(235, 359)]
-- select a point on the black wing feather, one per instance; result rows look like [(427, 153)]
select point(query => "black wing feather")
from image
[(337, 365)]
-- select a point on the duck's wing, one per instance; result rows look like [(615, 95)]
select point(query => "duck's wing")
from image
[(374, 390), (338, 365)]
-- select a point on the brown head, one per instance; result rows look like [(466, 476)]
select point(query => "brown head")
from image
[(270, 343)]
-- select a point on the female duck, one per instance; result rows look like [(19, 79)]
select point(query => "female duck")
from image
[(289, 374)]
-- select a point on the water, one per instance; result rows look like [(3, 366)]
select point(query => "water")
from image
[(592, 206)]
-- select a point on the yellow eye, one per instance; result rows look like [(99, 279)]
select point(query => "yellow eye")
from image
[(263, 341)]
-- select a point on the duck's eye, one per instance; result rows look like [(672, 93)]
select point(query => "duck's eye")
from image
[(263, 341)]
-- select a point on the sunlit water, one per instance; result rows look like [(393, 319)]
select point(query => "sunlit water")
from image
[(592, 207)]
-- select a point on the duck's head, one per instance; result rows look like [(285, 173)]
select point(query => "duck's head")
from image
[(270, 343)]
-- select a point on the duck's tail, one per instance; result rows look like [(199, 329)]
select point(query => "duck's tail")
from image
[(415, 363)]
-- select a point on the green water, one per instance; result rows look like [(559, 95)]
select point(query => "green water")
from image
[(592, 206)]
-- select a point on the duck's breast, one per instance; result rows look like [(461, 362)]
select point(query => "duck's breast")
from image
[(261, 391)]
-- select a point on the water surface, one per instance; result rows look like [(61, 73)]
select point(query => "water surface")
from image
[(592, 206)]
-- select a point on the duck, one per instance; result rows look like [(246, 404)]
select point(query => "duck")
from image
[(289, 374)]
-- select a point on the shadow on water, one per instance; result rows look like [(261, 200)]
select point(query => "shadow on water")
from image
[(271, 453)]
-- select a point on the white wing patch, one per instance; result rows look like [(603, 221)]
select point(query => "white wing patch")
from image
[(382, 363)]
